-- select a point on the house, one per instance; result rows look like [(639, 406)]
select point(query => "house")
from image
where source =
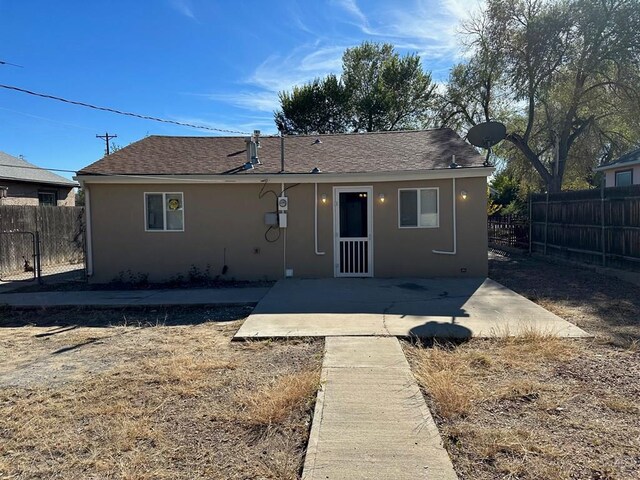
[(23, 183), (389, 204), (623, 171)]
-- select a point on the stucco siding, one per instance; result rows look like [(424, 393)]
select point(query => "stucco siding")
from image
[(610, 175), (224, 224)]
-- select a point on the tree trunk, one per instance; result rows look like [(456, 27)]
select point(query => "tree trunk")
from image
[(555, 185)]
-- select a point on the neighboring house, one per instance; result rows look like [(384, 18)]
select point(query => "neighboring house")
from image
[(389, 204), (22, 183), (623, 171)]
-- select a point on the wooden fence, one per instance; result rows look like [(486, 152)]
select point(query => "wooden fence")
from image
[(509, 231), (60, 231), (596, 226)]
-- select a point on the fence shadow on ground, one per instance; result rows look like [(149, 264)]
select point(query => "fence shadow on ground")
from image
[(602, 305), (64, 317)]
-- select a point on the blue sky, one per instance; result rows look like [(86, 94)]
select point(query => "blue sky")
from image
[(215, 63)]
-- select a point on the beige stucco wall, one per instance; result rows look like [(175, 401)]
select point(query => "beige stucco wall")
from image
[(22, 193), (228, 220), (610, 175)]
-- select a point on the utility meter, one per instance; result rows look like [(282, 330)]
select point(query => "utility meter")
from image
[(283, 203)]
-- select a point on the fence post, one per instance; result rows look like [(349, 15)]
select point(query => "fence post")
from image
[(602, 225), (546, 222), (530, 222), (38, 265)]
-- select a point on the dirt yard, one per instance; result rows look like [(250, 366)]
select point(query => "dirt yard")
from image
[(539, 407), (152, 394)]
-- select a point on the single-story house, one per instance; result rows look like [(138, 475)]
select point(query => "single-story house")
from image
[(23, 183), (623, 171), (388, 204)]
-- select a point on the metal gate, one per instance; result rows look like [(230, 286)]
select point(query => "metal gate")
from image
[(19, 259)]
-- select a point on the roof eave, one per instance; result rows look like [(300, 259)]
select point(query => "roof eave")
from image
[(460, 172), (44, 182), (610, 166)]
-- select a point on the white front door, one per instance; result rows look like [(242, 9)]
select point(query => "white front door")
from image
[(353, 231)]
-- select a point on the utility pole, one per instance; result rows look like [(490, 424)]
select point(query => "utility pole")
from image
[(106, 137)]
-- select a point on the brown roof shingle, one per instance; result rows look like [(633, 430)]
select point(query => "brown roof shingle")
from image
[(337, 153)]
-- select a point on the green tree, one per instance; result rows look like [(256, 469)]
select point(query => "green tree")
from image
[(316, 107), (563, 75), (378, 90), (80, 197)]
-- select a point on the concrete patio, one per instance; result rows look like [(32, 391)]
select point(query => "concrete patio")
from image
[(446, 308)]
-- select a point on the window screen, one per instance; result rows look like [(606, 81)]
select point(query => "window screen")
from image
[(623, 179), (428, 207), (47, 198), (408, 208), (418, 207), (164, 211)]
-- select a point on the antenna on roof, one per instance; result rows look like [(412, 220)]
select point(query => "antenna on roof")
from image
[(253, 144), (486, 135)]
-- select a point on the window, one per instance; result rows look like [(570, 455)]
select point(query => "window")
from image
[(418, 208), (47, 198), (624, 178), (163, 212)]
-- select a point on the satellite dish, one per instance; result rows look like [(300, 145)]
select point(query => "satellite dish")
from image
[(486, 135)]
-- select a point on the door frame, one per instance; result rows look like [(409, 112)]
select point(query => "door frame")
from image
[(336, 227)]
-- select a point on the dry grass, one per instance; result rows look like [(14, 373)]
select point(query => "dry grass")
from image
[(525, 407), (604, 306), (273, 403), (451, 376), (445, 377), (536, 406), (170, 403)]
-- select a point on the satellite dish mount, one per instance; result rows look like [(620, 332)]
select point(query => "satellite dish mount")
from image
[(486, 135)]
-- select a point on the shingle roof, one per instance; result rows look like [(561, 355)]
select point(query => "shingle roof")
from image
[(17, 169), (336, 153), (631, 157)]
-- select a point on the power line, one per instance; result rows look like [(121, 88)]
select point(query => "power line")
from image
[(38, 168), (120, 112), (9, 63)]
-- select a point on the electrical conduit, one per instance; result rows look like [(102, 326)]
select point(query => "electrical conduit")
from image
[(316, 221), (455, 227)]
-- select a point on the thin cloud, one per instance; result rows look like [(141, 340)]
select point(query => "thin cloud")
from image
[(351, 7), (305, 63), (427, 27), (260, 101), (430, 28), (183, 7), (265, 124)]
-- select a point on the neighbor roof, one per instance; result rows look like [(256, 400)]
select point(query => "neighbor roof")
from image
[(334, 153), (626, 160), (19, 170)]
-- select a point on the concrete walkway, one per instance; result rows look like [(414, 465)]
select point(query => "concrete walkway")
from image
[(118, 298), (446, 308), (371, 421)]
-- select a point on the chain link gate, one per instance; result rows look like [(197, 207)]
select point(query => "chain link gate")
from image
[(43, 243), (19, 259)]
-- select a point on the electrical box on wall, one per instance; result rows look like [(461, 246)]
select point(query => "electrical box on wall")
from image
[(282, 220), (271, 219), (283, 203)]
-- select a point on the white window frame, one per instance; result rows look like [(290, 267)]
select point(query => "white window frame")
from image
[(417, 190), (164, 211)]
